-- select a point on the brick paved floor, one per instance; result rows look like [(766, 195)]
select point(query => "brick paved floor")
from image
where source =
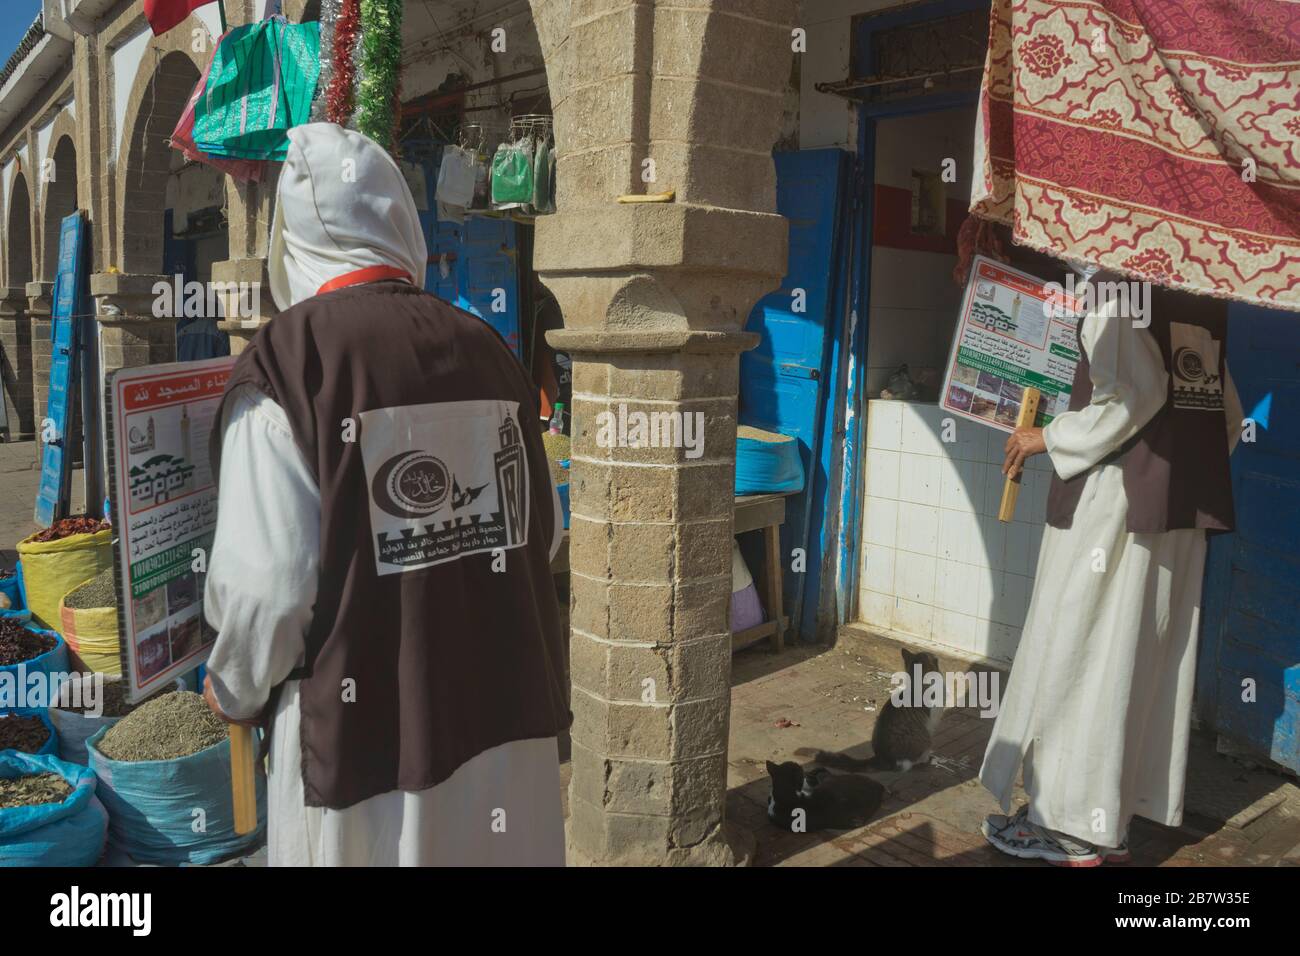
[(831, 697), (19, 479)]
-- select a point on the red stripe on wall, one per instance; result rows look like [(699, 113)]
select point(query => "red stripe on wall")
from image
[(893, 223)]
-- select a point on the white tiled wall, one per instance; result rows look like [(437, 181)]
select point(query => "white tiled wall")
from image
[(936, 562)]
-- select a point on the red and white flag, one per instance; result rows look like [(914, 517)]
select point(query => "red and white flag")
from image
[(165, 14)]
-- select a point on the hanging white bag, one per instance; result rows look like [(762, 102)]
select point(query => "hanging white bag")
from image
[(456, 177)]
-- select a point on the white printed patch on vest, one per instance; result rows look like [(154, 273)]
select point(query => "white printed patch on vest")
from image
[(1195, 367), (446, 480)]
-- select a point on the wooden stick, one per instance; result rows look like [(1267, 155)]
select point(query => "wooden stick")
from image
[(1011, 487), (668, 196), (243, 770)]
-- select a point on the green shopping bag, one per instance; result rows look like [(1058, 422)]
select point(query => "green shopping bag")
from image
[(512, 174), (261, 85)]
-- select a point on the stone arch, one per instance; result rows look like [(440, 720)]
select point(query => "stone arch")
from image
[(19, 250), (59, 195), (18, 369), (163, 85)]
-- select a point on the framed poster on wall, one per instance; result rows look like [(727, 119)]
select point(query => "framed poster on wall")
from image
[(164, 505)]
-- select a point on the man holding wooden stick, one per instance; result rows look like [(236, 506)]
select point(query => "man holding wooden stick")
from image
[(1099, 703), (380, 578)]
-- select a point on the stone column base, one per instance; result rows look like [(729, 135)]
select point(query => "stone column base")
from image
[(734, 846)]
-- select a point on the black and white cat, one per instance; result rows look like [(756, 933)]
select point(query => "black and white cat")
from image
[(903, 736), (820, 800)]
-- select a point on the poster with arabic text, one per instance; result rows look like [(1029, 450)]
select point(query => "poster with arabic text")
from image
[(164, 507)]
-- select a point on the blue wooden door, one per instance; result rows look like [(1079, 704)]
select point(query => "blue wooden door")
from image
[(1250, 635), (783, 380), (52, 497), (482, 274)]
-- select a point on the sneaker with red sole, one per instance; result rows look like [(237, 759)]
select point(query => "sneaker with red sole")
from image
[(1019, 837)]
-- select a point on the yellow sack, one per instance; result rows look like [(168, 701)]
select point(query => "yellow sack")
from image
[(53, 568), (91, 633)]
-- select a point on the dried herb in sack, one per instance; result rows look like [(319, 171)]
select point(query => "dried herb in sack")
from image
[(26, 734), (95, 593), (18, 644), (174, 725), (32, 790)]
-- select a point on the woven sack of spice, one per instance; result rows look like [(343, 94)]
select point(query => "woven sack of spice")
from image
[(91, 632), (174, 810), (53, 568)]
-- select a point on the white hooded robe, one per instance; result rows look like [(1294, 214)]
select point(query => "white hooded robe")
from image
[(1098, 707), (502, 807)]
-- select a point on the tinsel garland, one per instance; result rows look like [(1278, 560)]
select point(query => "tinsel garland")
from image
[(380, 67), (339, 96), (329, 15)]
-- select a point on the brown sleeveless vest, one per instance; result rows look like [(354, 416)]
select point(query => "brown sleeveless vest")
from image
[(1176, 472), (436, 632)]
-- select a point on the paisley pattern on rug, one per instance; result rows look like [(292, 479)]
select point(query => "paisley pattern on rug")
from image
[(1158, 140)]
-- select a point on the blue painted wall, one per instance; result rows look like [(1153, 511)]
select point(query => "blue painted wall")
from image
[(1250, 627)]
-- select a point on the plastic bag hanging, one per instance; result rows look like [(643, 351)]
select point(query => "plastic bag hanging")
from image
[(512, 175), (456, 177)]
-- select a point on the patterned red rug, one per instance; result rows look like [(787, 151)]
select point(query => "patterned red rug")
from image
[(1154, 138)]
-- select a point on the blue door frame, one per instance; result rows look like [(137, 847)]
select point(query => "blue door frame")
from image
[(848, 395)]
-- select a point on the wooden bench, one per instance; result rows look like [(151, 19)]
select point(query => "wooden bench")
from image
[(764, 513)]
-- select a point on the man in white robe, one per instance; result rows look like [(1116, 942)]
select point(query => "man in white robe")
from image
[(1098, 708), (266, 566)]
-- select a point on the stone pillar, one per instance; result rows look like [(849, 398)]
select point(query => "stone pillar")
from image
[(129, 333), (246, 299), (40, 304), (655, 296), (16, 366)]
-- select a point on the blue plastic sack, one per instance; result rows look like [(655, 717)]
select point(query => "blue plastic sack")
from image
[(151, 806), (768, 467), (12, 588), (14, 677), (70, 833)]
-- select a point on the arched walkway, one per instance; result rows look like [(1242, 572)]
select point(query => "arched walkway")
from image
[(20, 391), (147, 158), (59, 180)]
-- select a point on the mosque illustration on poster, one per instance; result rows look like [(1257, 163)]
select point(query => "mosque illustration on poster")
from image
[(159, 479)]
